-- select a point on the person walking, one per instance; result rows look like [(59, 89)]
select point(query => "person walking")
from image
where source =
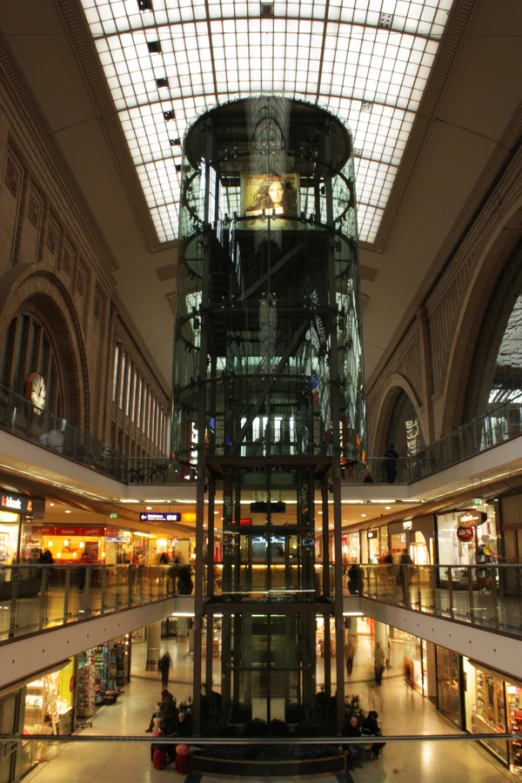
[(379, 663), (390, 464), (350, 655), (164, 666), (404, 574)]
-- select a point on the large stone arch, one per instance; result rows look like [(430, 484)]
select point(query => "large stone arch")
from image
[(488, 270), (40, 291), (395, 384)]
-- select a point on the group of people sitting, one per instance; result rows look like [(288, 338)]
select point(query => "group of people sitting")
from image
[(369, 728), (168, 721)]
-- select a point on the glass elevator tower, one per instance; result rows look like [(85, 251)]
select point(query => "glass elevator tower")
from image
[(268, 396)]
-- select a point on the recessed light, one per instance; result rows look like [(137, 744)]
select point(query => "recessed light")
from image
[(149, 508), (387, 508), (363, 515), (67, 511)]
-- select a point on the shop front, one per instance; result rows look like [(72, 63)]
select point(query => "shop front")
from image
[(48, 710), (485, 706), (101, 673), (449, 684), (468, 536), (417, 536), (374, 543), (14, 509), (415, 661), (351, 548)]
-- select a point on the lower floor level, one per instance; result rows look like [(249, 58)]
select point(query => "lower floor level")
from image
[(401, 708)]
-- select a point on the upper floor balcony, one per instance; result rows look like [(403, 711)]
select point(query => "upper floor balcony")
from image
[(19, 417)]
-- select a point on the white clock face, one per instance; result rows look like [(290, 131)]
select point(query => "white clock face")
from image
[(38, 394)]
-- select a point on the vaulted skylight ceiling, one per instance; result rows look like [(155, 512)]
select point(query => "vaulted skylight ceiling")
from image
[(166, 61)]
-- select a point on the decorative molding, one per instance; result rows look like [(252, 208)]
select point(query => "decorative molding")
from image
[(16, 87), (13, 174)]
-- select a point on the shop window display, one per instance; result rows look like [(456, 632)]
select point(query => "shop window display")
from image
[(102, 672), (48, 710), (514, 708), (483, 545), (489, 711), (449, 684)]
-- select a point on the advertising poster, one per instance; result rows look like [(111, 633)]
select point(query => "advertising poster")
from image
[(276, 195)]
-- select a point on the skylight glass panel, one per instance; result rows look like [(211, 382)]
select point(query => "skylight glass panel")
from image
[(368, 61)]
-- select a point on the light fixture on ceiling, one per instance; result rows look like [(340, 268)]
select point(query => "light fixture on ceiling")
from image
[(162, 82), (67, 511), (363, 515), (168, 115), (154, 47), (144, 6)]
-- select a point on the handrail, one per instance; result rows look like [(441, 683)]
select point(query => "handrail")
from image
[(38, 596), (485, 595), (19, 416)]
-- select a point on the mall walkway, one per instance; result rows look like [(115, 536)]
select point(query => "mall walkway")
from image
[(403, 712)]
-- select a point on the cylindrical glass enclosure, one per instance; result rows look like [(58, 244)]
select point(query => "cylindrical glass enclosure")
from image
[(268, 346)]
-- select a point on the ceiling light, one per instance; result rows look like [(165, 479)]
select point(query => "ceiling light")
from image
[(363, 515), (388, 508), (67, 511), (149, 508), (145, 5), (154, 47), (168, 115), (162, 82)]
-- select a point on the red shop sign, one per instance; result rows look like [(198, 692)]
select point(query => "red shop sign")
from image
[(464, 534), (67, 530)]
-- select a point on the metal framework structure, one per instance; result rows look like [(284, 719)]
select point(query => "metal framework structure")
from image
[(268, 391)]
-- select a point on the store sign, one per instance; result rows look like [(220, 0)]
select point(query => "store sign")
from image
[(21, 504), (70, 530), (464, 533), (159, 517), (14, 503), (472, 517), (412, 436)]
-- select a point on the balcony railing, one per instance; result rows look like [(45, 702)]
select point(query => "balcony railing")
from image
[(486, 596), (19, 416), (36, 597)]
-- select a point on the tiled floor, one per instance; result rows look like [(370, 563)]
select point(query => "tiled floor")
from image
[(402, 710)]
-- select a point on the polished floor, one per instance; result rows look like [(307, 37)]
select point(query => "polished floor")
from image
[(402, 710)]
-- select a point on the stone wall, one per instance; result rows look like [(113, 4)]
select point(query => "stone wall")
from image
[(55, 264)]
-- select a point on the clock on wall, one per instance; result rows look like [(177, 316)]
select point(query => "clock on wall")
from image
[(36, 390)]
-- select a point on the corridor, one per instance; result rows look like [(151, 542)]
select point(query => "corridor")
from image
[(402, 710)]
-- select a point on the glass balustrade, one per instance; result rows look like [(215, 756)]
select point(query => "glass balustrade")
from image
[(19, 416), (487, 596), (36, 597)]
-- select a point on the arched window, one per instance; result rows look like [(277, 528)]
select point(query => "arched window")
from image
[(496, 375), (27, 349)]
